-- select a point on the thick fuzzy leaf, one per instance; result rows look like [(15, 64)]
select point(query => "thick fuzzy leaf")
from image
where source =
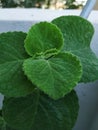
[(43, 37), (3, 125), (77, 33), (8, 128), (56, 76), (39, 112), (12, 54)]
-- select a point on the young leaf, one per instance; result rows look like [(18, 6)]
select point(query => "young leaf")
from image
[(39, 112), (77, 33), (43, 36), (12, 54), (56, 76)]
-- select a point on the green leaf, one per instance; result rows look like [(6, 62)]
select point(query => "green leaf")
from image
[(39, 112), (77, 33), (8, 128), (56, 76), (12, 54), (3, 125), (43, 36)]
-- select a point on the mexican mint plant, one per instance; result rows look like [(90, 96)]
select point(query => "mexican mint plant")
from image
[(39, 70)]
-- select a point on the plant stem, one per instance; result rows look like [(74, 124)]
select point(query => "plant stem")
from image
[(87, 8)]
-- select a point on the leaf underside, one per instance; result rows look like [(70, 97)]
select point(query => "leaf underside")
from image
[(77, 33), (36, 112)]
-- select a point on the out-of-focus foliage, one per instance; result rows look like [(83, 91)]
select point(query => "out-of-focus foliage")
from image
[(72, 4), (33, 3), (12, 3), (54, 4)]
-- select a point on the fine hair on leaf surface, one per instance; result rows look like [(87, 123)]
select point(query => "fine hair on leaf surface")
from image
[(13, 82), (56, 76), (38, 111), (39, 71), (77, 34), (53, 72), (43, 36)]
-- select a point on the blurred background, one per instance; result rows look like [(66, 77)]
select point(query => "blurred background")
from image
[(44, 4)]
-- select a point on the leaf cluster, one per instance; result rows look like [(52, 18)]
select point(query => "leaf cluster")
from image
[(39, 71)]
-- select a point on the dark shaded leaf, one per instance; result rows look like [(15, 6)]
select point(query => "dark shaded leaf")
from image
[(39, 112)]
